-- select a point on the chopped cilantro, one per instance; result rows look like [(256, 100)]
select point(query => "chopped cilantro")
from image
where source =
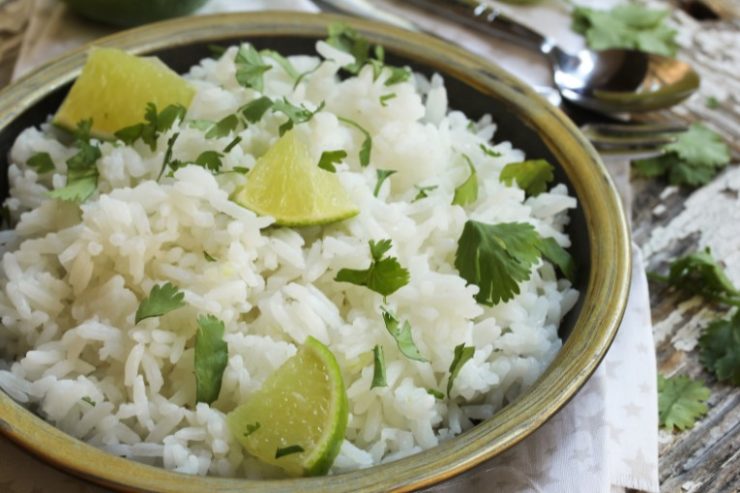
[(467, 192), (398, 75), (295, 114), (283, 62), (382, 175), (402, 335), (384, 276), (344, 38), (436, 394), (366, 147), (250, 68), (531, 176), (628, 26), (305, 74), (223, 128), (87, 399), (488, 151), (155, 123), (329, 158), (41, 163), (208, 256), (558, 256), (162, 299), (82, 171), (254, 110), (423, 192), (251, 428), (211, 357), (202, 125), (385, 98), (167, 160), (720, 349), (681, 401), (232, 144), (378, 368), (292, 449), (210, 160), (463, 354)]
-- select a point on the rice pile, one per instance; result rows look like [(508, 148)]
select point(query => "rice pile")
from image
[(73, 276)]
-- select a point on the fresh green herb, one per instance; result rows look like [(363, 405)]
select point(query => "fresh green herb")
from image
[(254, 110), (240, 169), (628, 26), (295, 114), (89, 400), (681, 401), (423, 192), (305, 74), (693, 159), (385, 98), (223, 128), (531, 176), (232, 144), (506, 330), (496, 258), (283, 62), (344, 38), (436, 394), (251, 428), (216, 50), (467, 192), (208, 257), (211, 358), (293, 449), (712, 103), (488, 151), (384, 276), (382, 175), (210, 160), (82, 172), (463, 353), (720, 349), (700, 273), (155, 123), (250, 68), (558, 256), (329, 158), (41, 162), (162, 299), (378, 368), (398, 75), (366, 147), (402, 335), (167, 161), (202, 125)]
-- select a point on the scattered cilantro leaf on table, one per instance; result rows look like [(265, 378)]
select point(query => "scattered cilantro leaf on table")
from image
[(378, 368), (211, 358), (382, 175), (82, 170), (681, 401), (250, 68), (629, 26), (41, 162), (329, 158), (693, 159), (712, 103), (384, 276), (401, 333), (467, 192), (720, 349), (531, 176), (162, 299), (463, 354)]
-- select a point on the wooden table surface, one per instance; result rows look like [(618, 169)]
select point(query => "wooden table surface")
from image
[(668, 222)]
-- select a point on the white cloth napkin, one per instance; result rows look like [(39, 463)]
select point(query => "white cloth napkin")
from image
[(604, 440)]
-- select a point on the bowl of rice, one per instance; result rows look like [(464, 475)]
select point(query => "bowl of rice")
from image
[(467, 292)]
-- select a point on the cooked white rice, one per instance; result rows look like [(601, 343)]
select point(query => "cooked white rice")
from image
[(73, 276)]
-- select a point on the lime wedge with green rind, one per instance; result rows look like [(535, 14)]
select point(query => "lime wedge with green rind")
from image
[(114, 89), (303, 404), (287, 184)]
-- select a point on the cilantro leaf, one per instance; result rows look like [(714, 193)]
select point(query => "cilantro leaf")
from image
[(82, 130), (292, 449), (208, 256), (700, 273), (232, 144), (720, 349), (167, 117), (557, 255), (467, 192), (402, 335), (202, 125), (346, 39), (531, 176), (329, 158), (305, 74), (251, 428), (366, 147), (223, 128), (423, 192), (681, 401), (250, 68), (378, 368), (155, 123), (283, 62), (41, 162), (384, 276), (397, 75), (712, 103), (382, 175), (210, 160), (78, 190), (628, 26), (295, 114), (700, 146), (87, 399), (436, 394), (463, 354), (167, 160), (488, 151), (385, 98), (82, 171), (211, 358), (254, 110), (162, 299)]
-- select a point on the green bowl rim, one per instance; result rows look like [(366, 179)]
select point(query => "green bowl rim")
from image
[(605, 297)]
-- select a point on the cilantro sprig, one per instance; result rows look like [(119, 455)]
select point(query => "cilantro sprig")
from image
[(531, 176), (82, 170), (693, 159), (295, 114), (162, 299), (154, 125), (401, 333), (211, 358), (681, 401), (382, 175), (41, 162), (385, 275), (720, 349), (467, 192), (366, 148), (250, 68)]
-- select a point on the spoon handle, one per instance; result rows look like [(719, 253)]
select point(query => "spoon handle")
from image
[(486, 19)]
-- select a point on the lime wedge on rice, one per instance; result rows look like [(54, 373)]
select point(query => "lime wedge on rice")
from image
[(287, 184), (114, 89), (297, 420)]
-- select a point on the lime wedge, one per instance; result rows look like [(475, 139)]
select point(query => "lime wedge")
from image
[(288, 185), (297, 420), (114, 89)]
